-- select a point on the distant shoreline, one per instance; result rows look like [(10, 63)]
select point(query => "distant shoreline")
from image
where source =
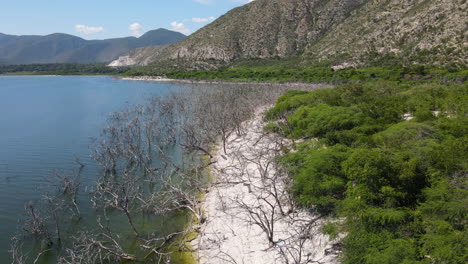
[(32, 75), (190, 81), (52, 75), (165, 79)]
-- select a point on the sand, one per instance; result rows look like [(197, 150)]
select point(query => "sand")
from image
[(241, 198)]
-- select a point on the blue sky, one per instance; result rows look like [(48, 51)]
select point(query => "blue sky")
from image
[(100, 19)]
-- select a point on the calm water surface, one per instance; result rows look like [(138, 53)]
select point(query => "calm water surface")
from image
[(44, 123)]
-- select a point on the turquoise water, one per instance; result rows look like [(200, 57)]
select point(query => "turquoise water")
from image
[(44, 123)]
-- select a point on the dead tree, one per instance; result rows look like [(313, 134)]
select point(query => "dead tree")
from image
[(141, 175), (263, 214), (119, 194), (294, 248), (67, 185), (16, 251), (36, 224), (91, 248), (54, 207)]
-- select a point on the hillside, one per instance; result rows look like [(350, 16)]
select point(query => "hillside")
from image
[(351, 31), (63, 48), (422, 31)]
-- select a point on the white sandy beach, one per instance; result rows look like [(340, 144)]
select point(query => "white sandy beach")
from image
[(147, 79), (243, 195), (299, 85)]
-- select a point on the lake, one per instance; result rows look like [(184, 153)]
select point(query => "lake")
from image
[(46, 123)]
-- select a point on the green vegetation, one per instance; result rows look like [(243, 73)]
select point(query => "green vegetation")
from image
[(61, 69), (293, 70), (400, 185)]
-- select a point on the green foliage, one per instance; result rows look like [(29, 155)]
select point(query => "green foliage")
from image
[(331, 229), (369, 171), (293, 99), (319, 182), (444, 221), (295, 69), (62, 69), (398, 135), (317, 121), (394, 251), (401, 185)]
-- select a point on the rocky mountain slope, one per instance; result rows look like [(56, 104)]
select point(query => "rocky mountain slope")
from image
[(342, 31), (63, 48), (423, 31)]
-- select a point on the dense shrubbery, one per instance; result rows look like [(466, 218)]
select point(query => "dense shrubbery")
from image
[(62, 69), (314, 74), (400, 184)]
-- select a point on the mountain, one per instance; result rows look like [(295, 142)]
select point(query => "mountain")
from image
[(344, 32), (63, 48), (419, 31)]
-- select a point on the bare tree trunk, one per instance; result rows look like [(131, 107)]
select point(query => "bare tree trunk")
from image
[(57, 227), (130, 221)]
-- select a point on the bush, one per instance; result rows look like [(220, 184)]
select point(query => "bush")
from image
[(319, 182), (319, 120), (400, 185)]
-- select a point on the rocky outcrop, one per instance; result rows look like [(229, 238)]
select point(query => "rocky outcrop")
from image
[(141, 56), (123, 61)]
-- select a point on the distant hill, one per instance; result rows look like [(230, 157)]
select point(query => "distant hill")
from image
[(63, 48), (346, 32)]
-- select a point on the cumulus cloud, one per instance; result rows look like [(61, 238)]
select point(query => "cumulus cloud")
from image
[(180, 27), (203, 19), (88, 29), (136, 29)]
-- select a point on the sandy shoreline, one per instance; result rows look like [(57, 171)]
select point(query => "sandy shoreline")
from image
[(145, 79), (247, 200), (164, 79), (184, 81)]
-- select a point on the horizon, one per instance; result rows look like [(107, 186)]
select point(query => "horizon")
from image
[(105, 19), (76, 35)]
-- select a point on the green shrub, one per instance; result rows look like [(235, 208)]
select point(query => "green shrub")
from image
[(317, 121), (400, 185), (319, 182), (397, 135)]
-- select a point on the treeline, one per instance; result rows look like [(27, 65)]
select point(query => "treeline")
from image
[(313, 74), (389, 159), (321, 74), (62, 69)]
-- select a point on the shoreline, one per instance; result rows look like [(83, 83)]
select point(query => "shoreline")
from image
[(232, 232), (189, 81), (168, 80), (55, 75)]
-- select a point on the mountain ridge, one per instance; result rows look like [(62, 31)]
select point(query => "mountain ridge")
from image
[(65, 48), (346, 32)]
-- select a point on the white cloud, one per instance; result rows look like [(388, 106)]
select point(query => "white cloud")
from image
[(205, 2), (242, 1), (180, 27), (203, 19), (87, 29), (136, 29)]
